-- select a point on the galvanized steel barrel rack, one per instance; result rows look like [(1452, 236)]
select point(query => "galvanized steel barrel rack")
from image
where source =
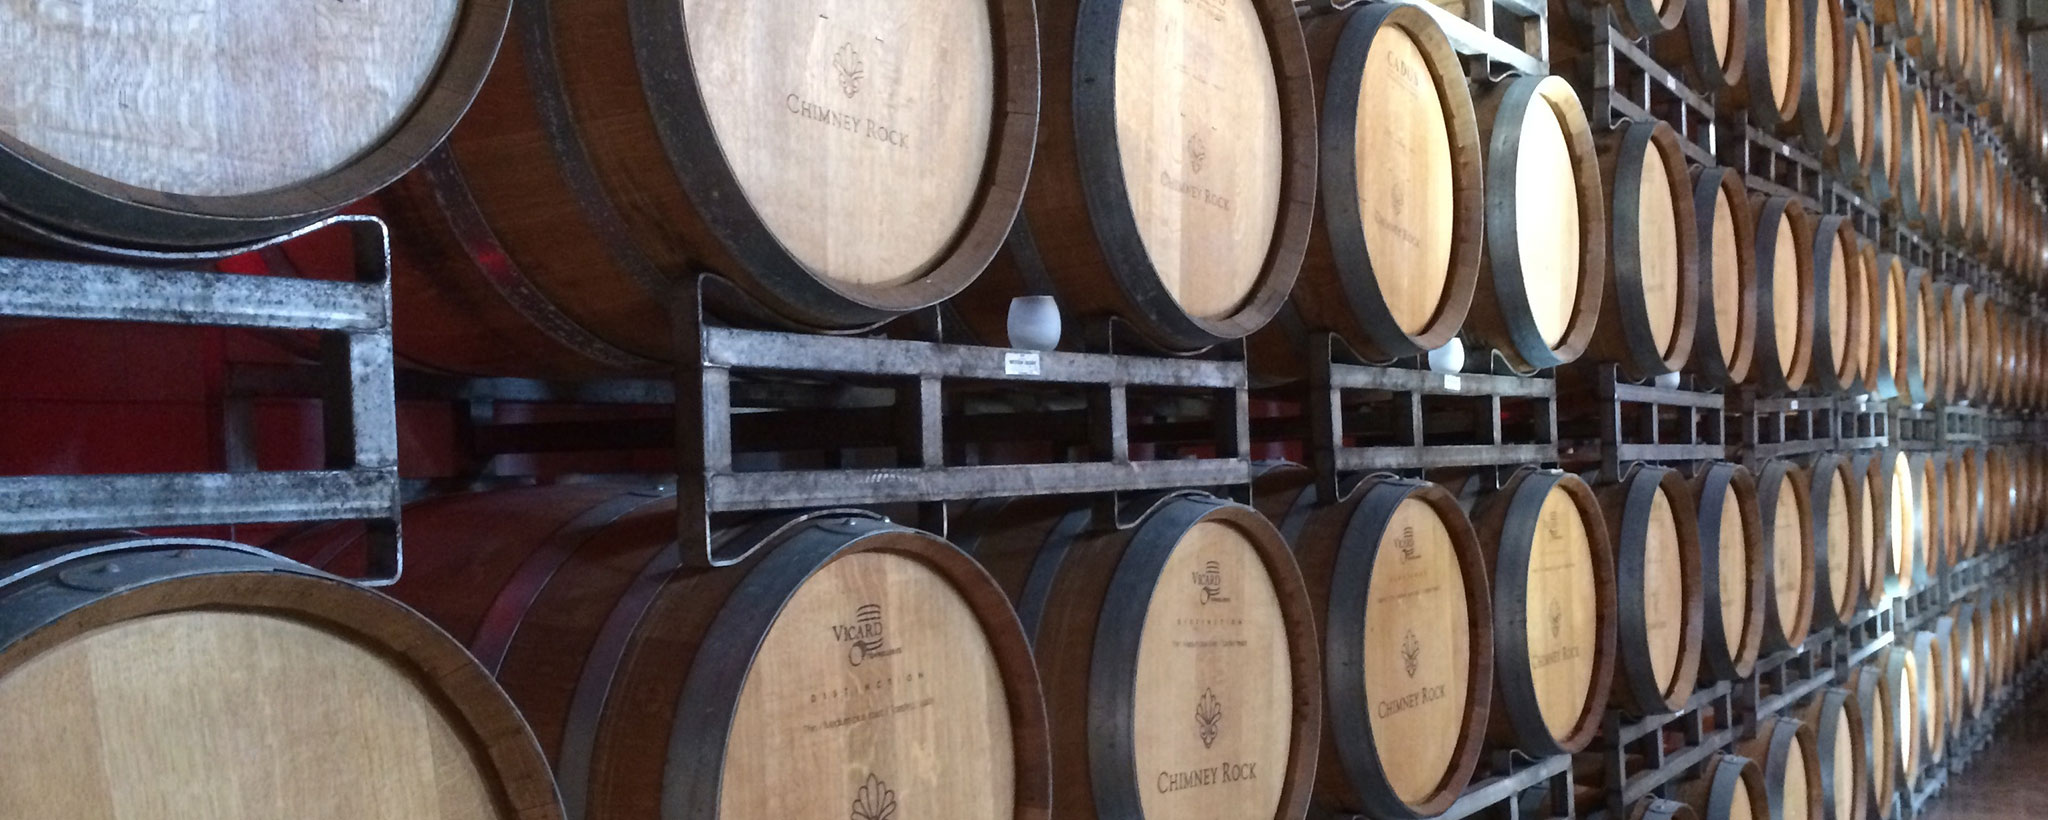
[(1708, 724), (1643, 422), (1499, 37), (359, 481), (1628, 85)]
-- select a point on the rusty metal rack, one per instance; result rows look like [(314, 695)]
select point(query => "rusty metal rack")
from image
[(1629, 86), (1706, 725), (1417, 436), (359, 481), (1776, 427), (1644, 422), (1498, 37)]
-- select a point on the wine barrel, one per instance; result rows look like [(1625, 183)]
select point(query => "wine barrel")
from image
[(1999, 497), (1971, 628), (1785, 296), (1909, 714), (1888, 174), (1966, 475), (1823, 75), (1546, 232), (1714, 45), (1951, 672), (1724, 336), (1932, 510), (1839, 738), (1857, 153), (1774, 60), (1647, 18), (1903, 524), (1923, 318), (1175, 180), (1554, 610), (1921, 191), (273, 120), (1652, 521), (1651, 306), (1784, 506), (1984, 337), (1869, 700), (1656, 808), (1784, 749), (1937, 189), (171, 677), (611, 159), (1732, 570), (1901, 332), (1837, 535), (1200, 607), (1400, 594), (1729, 787), (1930, 658), (1868, 474), (1866, 312), (881, 657), (1393, 258), (1835, 286)]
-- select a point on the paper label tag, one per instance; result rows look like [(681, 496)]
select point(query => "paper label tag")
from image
[(1453, 381), (1020, 363)]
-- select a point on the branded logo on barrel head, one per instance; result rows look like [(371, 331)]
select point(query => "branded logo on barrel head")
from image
[(1210, 580), (874, 801), (1411, 653), (1556, 618), (1198, 153), (1208, 718), (851, 69), (1407, 543), (865, 637)]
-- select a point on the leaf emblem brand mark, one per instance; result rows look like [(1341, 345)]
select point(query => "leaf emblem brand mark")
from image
[(851, 69), (1411, 653), (1208, 718), (1556, 618), (1198, 153), (874, 801)]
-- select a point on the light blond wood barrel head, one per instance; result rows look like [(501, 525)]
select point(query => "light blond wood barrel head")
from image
[(1857, 134), (1840, 253), (876, 687), (1407, 188), (1198, 127), (1785, 293), (1657, 224), (215, 97), (1212, 728), (1780, 27), (1866, 545), (1734, 570), (1663, 591), (1841, 548), (1547, 221), (1827, 20), (1795, 789), (1907, 726), (229, 715), (1563, 616), (1418, 639), (1844, 763), (1788, 546), (1904, 520), (1727, 273), (859, 133), (1739, 807)]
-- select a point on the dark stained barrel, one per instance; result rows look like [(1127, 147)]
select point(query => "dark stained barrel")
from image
[(172, 677), (1401, 601)]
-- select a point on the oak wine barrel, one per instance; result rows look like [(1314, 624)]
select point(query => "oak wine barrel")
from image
[(1932, 509), (1785, 305), (1201, 608), (1920, 363), (1393, 259), (1857, 154), (1904, 522), (1400, 594), (1867, 312), (1784, 505), (1869, 476), (1823, 75), (1784, 749), (1656, 808), (1900, 337), (1732, 570), (1774, 60), (1728, 787), (1833, 287), (1652, 522), (1175, 180), (1839, 738), (1714, 46), (1922, 202), (1888, 101), (1554, 610), (1838, 530), (134, 132), (1973, 620), (845, 661), (1724, 336), (1930, 658), (612, 158), (172, 677), (1966, 474), (1999, 496), (1545, 264), (1651, 306), (1869, 700), (1909, 714)]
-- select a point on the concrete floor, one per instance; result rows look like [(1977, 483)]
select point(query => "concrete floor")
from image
[(2009, 778)]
